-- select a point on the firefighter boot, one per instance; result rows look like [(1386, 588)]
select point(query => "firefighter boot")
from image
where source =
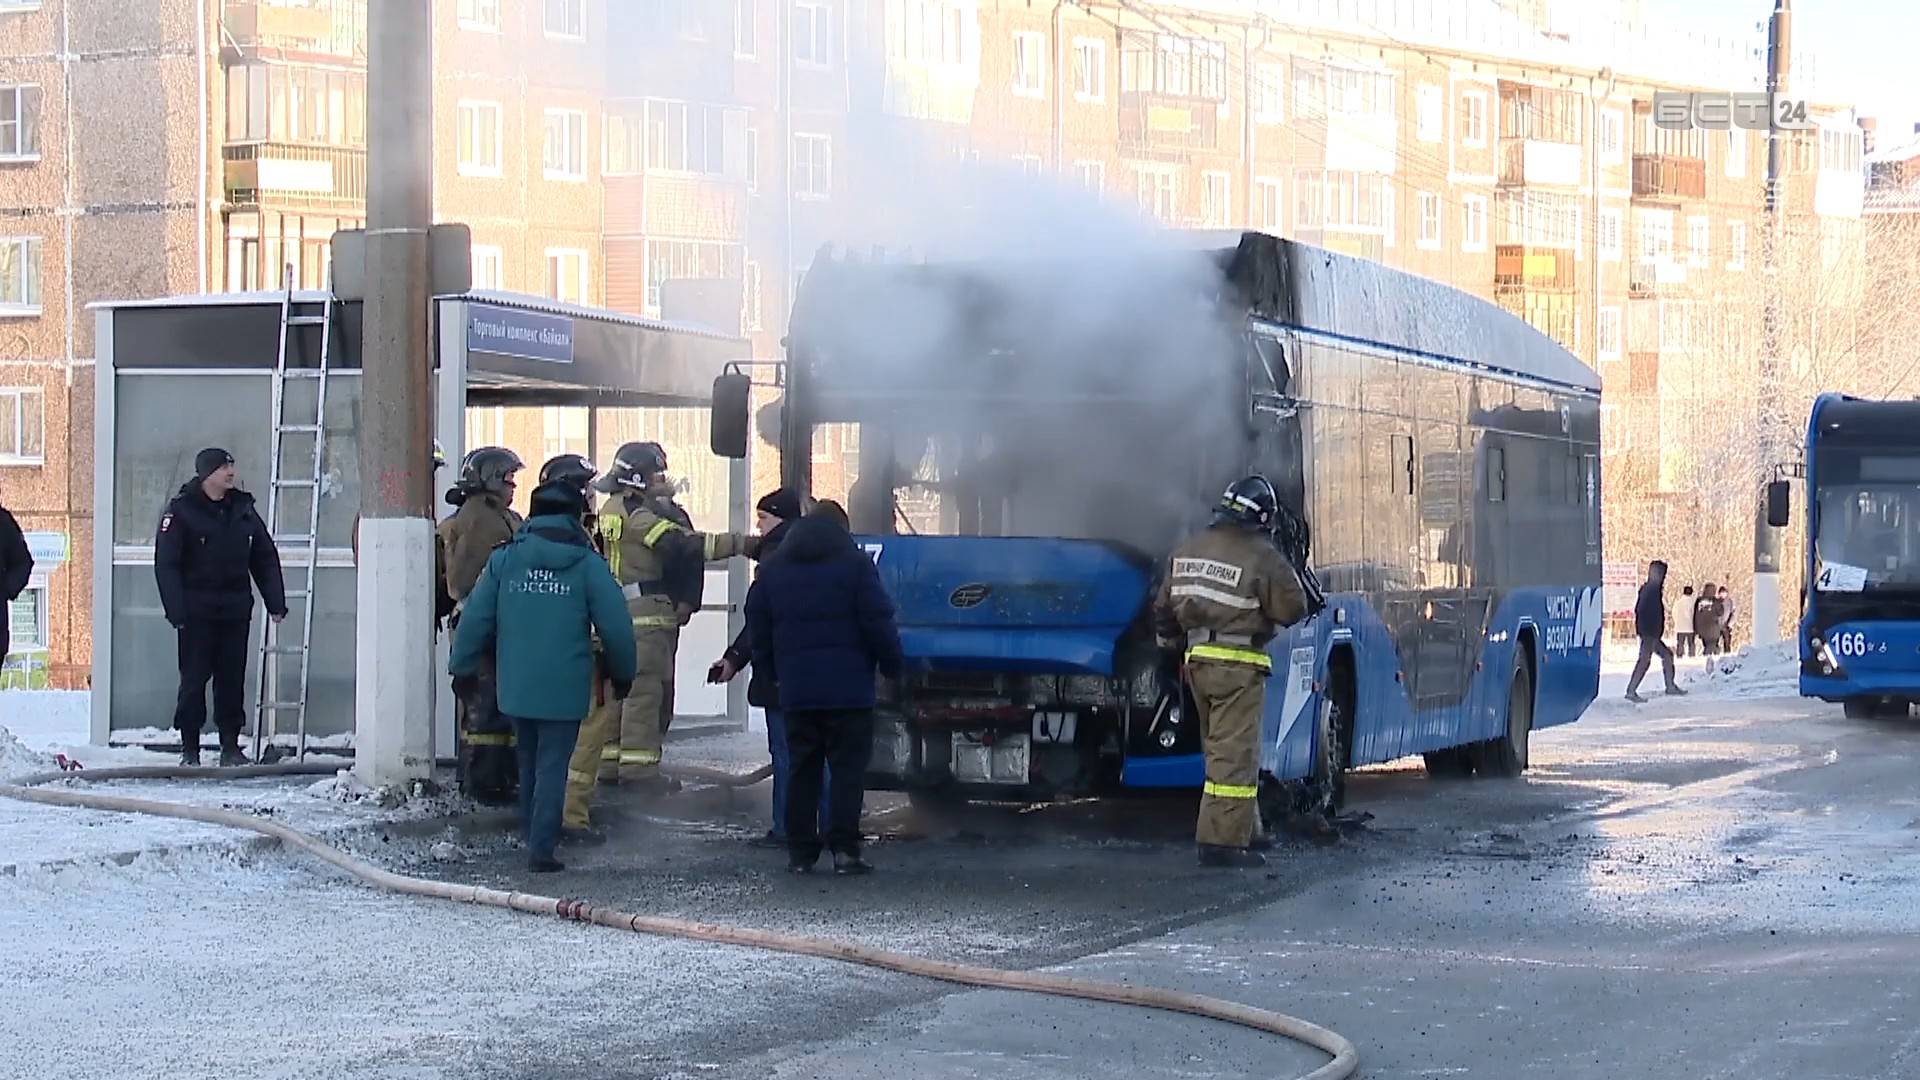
[(1230, 858)]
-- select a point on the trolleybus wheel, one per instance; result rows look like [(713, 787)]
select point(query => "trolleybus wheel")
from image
[(1453, 764), (1507, 755)]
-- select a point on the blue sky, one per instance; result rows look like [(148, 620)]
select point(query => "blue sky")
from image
[(1865, 47)]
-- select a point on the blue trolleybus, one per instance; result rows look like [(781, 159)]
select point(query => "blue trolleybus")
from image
[(1026, 441), (1860, 620)]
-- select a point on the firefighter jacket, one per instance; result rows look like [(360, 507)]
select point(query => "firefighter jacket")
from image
[(482, 523), (686, 572), (643, 538), (1226, 592)]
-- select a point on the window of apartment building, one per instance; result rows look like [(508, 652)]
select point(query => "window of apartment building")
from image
[(1430, 113), (1089, 69), (567, 275), (487, 263), (1656, 236), (1266, 205), (566, 18), (812, 33), (1309, 90), (1611, 223), (1676, 332), (22, 426), (746, 29), (479, 137), (284, 103), (1360, 93), (1092, 175), (930, 31), (1174, 66), (1309, 198), (1543, 114), (751, 313), (1736, 153), (1667, 142), (1539, 219), (1608, 341), (623, 144), (1699, 241), (691, 260), (564, 431), (1840, 151), (1157, 191), (1270, 94), (752, 164), (564, 155), (19, 122), (812, 166), (706, 140), (1473, 223), (1613, 135), (1429, 236), (1029, 65), (1616, 433), (27, 615), (20, 275), (1736, 245), (1029, 164), (478, 14), (1216, 199), (1473, 118)]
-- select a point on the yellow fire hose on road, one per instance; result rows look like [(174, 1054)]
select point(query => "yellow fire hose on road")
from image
[(1345, 1059)]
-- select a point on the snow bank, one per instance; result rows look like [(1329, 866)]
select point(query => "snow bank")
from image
[(1768, 671), (47, 719), (18, 760)]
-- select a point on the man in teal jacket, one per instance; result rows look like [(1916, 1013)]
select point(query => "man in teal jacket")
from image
[(538, 602)]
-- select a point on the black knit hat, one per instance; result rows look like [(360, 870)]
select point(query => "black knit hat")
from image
[(210, 461), (783, 503), (557, 497)]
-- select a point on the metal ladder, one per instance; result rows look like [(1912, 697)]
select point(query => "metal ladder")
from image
[(300, 571)]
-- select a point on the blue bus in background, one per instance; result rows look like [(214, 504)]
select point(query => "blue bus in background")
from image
[(1021, 443), (1860, 621)]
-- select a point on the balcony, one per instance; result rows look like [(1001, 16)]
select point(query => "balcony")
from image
[(1659, 176), (1520, 266), (1536, 162), (1164, 123), (288, 177), (1648, 275), (326, 28)]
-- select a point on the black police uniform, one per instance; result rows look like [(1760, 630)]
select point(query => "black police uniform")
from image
[(207, 558)]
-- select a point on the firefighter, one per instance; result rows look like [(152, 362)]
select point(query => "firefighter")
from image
[(686, 577), (1227, 590), (643, 539), (485, 519)]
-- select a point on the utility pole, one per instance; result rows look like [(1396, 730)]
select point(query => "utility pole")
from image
[(1774, 429), (394, 668)]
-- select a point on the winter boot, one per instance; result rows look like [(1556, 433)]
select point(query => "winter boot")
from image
[(548, 865), (1231, 858), (230, 753), (190, 754), (848, 863), (588, 837)]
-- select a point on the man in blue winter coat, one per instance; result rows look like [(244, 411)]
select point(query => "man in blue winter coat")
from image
[(535, 608), (821, 624)]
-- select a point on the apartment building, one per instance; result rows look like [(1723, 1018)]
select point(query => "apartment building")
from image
[(686, 159)]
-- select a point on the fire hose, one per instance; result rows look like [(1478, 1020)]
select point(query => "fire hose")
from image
[(1345, 1058)]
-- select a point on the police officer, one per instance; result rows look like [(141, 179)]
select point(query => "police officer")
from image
[(1227, 589), (211, 542), (643, 537), (485, 520)]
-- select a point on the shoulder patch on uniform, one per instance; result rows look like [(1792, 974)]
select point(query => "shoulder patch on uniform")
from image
[(1208, 570), (166, 522)]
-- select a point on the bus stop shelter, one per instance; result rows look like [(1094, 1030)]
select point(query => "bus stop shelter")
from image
[(180, 374)]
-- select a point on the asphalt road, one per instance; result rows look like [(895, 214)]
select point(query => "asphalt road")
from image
[(1701, 888)]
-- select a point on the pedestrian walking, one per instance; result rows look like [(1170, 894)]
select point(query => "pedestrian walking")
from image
[(1684, 639), (210, 554), (532, 617), (1227, 592), (16, 569), (1707, 619), (777, 511), (1650, 623), (821, 624), (1726, 620)]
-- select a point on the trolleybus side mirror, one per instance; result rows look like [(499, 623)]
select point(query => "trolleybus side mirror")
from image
[(1779, 504), (732, 415)]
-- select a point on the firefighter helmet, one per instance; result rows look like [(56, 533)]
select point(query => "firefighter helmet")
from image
[(571, 469), (490, 468), (634, 466), (439, 456), (1249, 501)]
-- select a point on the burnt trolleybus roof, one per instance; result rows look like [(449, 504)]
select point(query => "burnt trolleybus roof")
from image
[(1274, 279)]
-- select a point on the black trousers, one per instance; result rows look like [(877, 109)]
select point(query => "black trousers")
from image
[(839, 741), (216, 650)]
